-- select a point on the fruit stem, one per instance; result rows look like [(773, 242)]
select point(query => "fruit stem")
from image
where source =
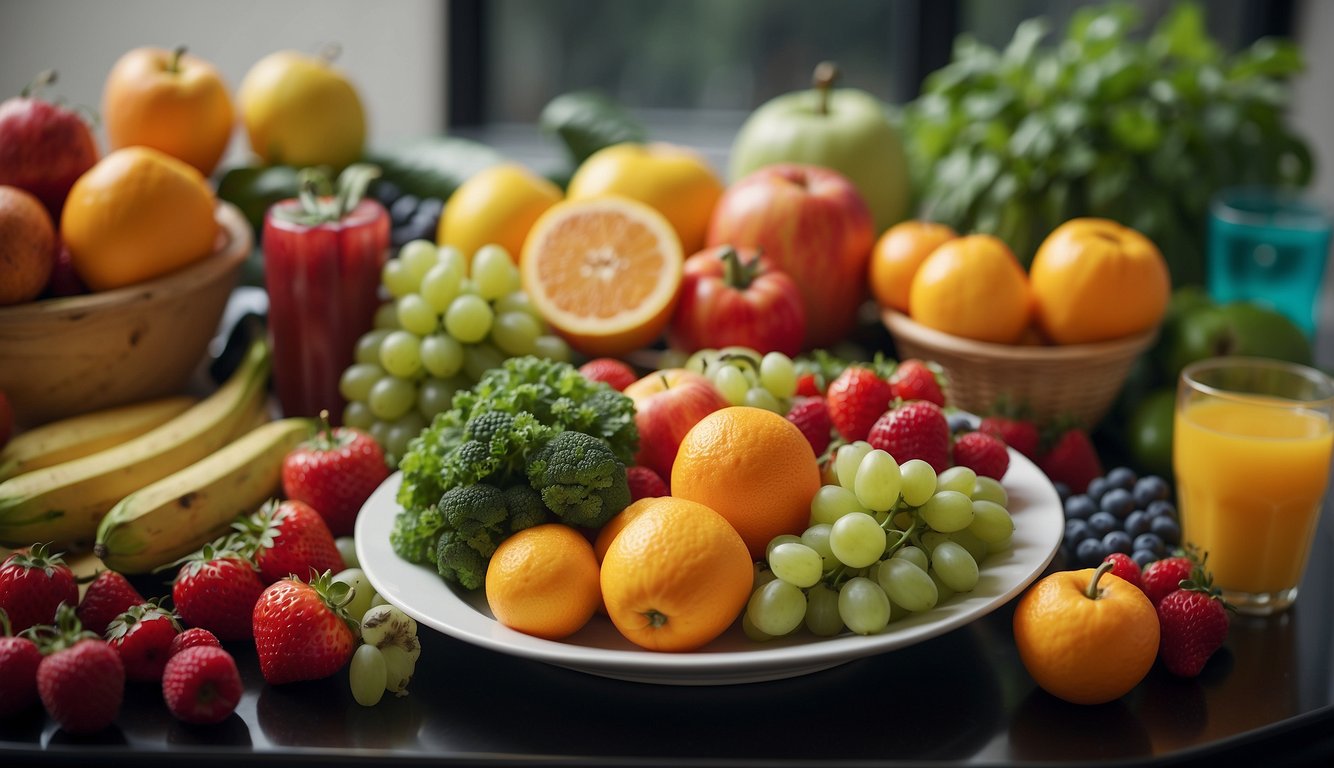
[(43, 79), (655, 618), (737, 274), (320, 202), (825, 74), (1092, 591), (330, 52), (174, 63)]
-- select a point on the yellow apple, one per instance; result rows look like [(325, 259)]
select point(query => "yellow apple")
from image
[(299, 110)]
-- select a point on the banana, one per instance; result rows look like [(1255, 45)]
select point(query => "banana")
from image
[(64, 503), (183, 511), (79, 436)]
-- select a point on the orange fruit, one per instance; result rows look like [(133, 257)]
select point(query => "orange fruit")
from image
[(676, 181), (1086, 636), (543, 581), (676, 576), (608, 532), (754, 468), (300, 110), (496, 205), (897, 255), (136, 215), (27, 246), (1096, 280), (604, 273), (974, 287)]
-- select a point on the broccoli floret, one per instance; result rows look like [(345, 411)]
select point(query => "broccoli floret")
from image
[(472, 508), (487, 425), (475, 523), (525, 507), (580, 479), (458, 562)]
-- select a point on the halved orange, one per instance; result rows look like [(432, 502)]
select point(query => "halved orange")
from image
[(605, 273)]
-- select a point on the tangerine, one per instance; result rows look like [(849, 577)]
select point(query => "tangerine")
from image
[(753, 467), (974, 287), (897, 255), (543, 581), (676, 576), (27, 246), (496, 205)]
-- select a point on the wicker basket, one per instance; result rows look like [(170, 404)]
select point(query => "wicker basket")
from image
[(1078, 380)]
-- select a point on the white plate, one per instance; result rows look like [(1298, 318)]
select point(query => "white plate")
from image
[(732, 658)]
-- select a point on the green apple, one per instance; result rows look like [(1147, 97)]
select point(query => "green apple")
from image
[(1237, 328), (845, 129), (1150, 432)]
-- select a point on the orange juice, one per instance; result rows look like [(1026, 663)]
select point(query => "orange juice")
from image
[(1251, 474)]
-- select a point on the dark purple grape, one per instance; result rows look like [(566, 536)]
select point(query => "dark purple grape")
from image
[(403, 208)]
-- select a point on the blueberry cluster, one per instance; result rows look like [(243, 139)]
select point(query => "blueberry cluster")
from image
[(411, 217), (1120, 512)]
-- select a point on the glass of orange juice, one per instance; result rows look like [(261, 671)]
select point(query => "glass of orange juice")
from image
[(1251, 450)]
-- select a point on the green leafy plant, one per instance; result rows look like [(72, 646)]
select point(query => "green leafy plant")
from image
[(1102, 123)]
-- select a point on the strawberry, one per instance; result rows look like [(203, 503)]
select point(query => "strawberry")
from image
[(81, 680), (914, 380), (1124, 567), (33, 584), (1072, 460), (217, 590), (1019, 434), (335, 472), (19, 658), (811, 415), (856, 399), (1163, 577), (808, 385), (610, 371), (108, 596), (290, 539), (916, 430), (1194, 623), (302, 631), (201, 685), (142, 636), (192, 638), (984, 454), (645, 483)]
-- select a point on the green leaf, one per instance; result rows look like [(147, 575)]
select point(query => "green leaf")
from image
[(586, 121), (1268, 57), (1182, 35)]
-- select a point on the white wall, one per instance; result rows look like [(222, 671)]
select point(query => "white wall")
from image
[(1313, 93)]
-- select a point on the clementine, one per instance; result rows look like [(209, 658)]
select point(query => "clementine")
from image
[(543, 581), (753, 467), (897, 255), (27, 246), (974, 287), (676, 576), (609, 531), (497, 205)]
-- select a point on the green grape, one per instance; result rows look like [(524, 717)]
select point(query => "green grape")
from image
[(903, 519), (856, 540), (469, 318), (347, 549), (955, 567), (493, 272), (948, 511), (863, 606), (943, 590), (702, 361), (832, 502), (399, 665), (379, 600), (822, 617), (453, 258), (518, 302), (957, 478), (390, 398), (441, 285), (435, 396), (744, 359), (415, 315), (401, 432), (970, 541), (907, 585), (847, 460), (751, 631), (442, 355), (782, 538), (388, 626), (776, 608), (796, 563), (931, 539), (366, 674), (990, 489), (358, 415), (362, 592), (357, 380), (395, 277), (877, 481), (731, 383), (919, 481), (991, 522), (480, 358), (418, 256), (386, 316), (778, 375), (915, 555), (1000, 546), (515, 332), (552, 348), (758, 397), (400, 354), (817, 538), (760, 575), (368, 346)]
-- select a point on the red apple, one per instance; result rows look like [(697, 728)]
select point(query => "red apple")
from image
[(667, 404), (814, 225), (44, 147)]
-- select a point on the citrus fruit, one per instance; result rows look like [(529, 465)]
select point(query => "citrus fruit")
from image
[(543, 581), (138, 214), (897, 255), (1096, 280), (1086, 636), (613, 526), (27, 246), (973, 287), (496, 205), (299, 110), (604, 273), (676, 576), (673, 180), (754, 468)]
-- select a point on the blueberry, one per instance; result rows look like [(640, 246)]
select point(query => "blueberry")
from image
[(1136, 522), (1161, 508), (1077, 530), (1090, 552), (1117, 541), (403, 208), (1103, 522), (1151, 542), (1149, 489), (1121, 477), (1079, 507), (962, 421), (1062, 490), (1167, 529), (1143, 557), (385, 191), (1097, 487), (1118, 502), (429, 208)]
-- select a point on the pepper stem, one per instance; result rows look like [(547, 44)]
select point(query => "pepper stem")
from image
[(825, 74), (737, 274), (1092, 591)]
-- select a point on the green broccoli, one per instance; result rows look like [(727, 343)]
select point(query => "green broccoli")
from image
[(458, 562), (470, 508), (580, 479), (475, 523), (525, 507)]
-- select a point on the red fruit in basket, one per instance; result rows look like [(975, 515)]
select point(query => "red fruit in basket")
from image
[(192, 638), (982, 453), (610, 371), (916, 430), (109, 595), (1163, 577), (81, 680), (142, 636), (1019, 434), (645, 483), (302, 631), (856, 399), (335, 472), (811, 415), (201, 685), (19, 659), (33, 584), (914, 380), (1194, 625), (291, 539), (1125, 567), (217, 591), (1072, 460), (44, 146)]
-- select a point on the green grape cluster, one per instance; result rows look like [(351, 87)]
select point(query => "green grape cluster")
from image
[(743, 376), (387, 656), (450, 320), (885, 541)]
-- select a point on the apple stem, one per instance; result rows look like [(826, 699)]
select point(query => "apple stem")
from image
[(736, 274), (330, 52), (825, 74), (1092, 591), (43, 79), (174, 64)]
